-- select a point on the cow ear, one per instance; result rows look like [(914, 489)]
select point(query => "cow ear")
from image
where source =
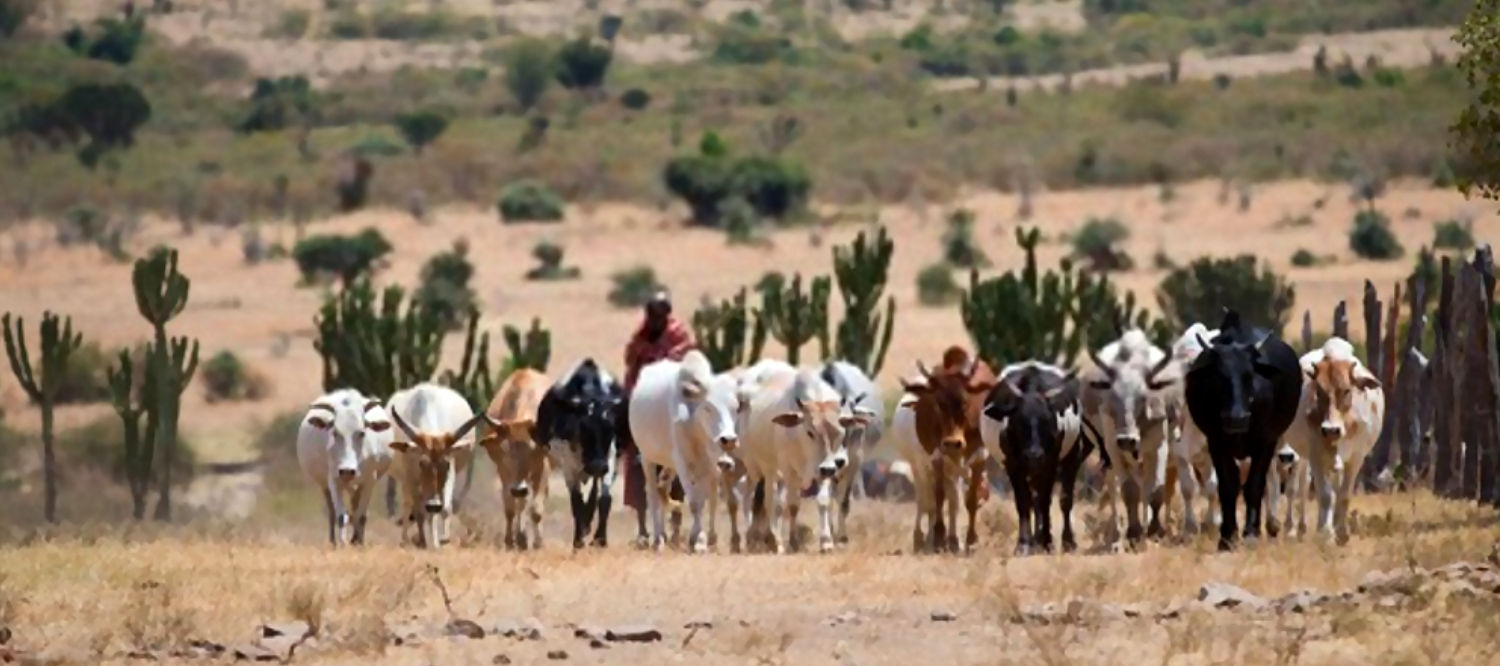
[(1365, 381), (980, 387), (788, 419), (693, 391), (378, 426), (401, 446), (319, 422)]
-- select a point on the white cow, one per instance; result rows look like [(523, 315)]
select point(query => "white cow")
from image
[(343, 445), (861, 398), (682, 417), (795, 435), (1127, 394), (435, 444), (1190, 446), (1341, 415)]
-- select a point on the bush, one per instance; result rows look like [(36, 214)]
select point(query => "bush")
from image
[(741, 44), (14, 13), (936, 286), (99, 446), (353, 185), (959, 248), (528, 71), (774, 187), (1095, 243), (741, 224), (277, 104), (582, 64), (635, 99), (1199, 292), (292, 24), (347, 257), (421, 128), (445, 290), (633, 287), (227, 379), (549, 256), (1453, 235), (1371, 237), (116, 41), (1304, 259), (530, 201)]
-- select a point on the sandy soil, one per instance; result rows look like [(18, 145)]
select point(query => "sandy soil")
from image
[(260, 314), (105, 591)]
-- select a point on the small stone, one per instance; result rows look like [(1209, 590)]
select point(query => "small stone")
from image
[(294, 629), (1296, 602), (466, 628), (1176, 609), (1378, 581), (557, 655), (639, 633), (5, 635), (1389, 602), (589, 632), (1224, 595), (598, 644), (529, 629), (143, 655), (846, 617), (254, 652), (500, 660), (698, 624), (943, 616)]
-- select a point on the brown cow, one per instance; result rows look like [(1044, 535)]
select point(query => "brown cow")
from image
[(944, 411), (521, 462)]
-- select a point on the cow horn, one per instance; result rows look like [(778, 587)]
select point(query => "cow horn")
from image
[(1110, 372), (372, 403), (401, 423), (922, 368), (324, 406), (1157, 369), (469, 425), (1201, 342)]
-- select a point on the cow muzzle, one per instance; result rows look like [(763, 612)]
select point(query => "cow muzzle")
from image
[(1236, 422), (1287, 457), (434, 506), (827, 470), (728, 443), (1332, 430), (953, 444), (725, 463), (596, 468), (346, 474), (520, 490)]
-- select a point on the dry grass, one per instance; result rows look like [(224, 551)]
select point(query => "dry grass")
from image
[(75, 596)]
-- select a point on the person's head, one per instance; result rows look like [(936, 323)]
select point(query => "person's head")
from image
[(658, 311)]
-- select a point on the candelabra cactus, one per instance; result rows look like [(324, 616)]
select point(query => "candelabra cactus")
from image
[(861, 271), (57, 342), (726, 334), (533, 350), (161, 293), (795, 317)]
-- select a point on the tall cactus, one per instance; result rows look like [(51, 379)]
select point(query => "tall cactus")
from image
[(795, 317), (1018, 316), (138, 451), (861, 271), (161, 293), (419, 345), (534, 350), (58, 342), (473, 379), (726, 335)]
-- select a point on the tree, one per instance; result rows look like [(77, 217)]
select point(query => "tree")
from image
[(117, 42), (277, 104), (582, 64), (348, 257), (421, 128), (57, 343), (528, 71), (1198, 293), (1478, 124), (13, 15), (161, 293), (107, 113)]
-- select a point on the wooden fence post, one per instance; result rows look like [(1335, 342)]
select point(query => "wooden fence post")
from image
[(1379, 455), (1306, 331), (1341, 320), (1412, 418), (1465, 375), (1485, 402), (1444, 436)]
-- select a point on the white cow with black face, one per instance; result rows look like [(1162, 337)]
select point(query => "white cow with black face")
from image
[(343, 446)]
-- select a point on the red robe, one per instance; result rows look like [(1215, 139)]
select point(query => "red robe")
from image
[(675, 341)]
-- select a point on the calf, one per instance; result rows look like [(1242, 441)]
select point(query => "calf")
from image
[(1342, 413), (520, 457), (1130, 389), (434, 445), (937, 426), (1033, 426), (863, 401), (1242, 392), (682, 417), (577, 422), (343, 445)]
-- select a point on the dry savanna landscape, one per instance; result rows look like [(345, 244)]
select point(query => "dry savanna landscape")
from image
[(557, 162)]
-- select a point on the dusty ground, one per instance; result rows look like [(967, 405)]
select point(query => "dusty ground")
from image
[(96, 592), (260, 314)]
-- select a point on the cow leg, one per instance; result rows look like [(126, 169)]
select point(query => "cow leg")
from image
[(1187, 485), (732, 505), (637, 495), (1043, 506), (1022, 496), (826, 489), (938, 530), (654, 502), (1299, 496), (361, 502), (693, 490), (1255, 489), (1228, 472), (784, 525), (711, 494), (332, 514), (1272, 503), (952, 490), (1347, 485), (755, 540), (511, 512), (580, 507), (971, 503), (1215, 515), (925, 504), (1130, 489), (1114, 479), (605, 503), (536, 505), (1069, 487), (848, 487)]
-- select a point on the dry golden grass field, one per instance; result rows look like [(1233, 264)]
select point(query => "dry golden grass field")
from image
[(88, 596)]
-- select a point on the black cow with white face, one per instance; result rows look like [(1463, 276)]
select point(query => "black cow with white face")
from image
[(577, 418), (1037, 429), (1242, 391)]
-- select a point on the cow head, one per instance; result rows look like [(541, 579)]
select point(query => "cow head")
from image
[(1334, 382), (856, 419), (435, 454), (512, 446), (1229, 367), (713, 407), (1028, 405), (590, 426), (942, 403), (1129, 386), (347, 429), (819, 422)]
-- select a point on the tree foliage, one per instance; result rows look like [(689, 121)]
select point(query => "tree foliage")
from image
[(276, 104), (1199, 292), (421, 128), (1479, 123), (528, 71)]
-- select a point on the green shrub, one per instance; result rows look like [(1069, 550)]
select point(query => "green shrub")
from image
[(421, 128), (635, 99), (1453, 235), (549, 257), (84, 381), (1371, 237), (936, 286), (292, 24), (739, 44), (1095, 243), (115, 41), (228, 379), (741, 223), (530, 201), (774, 187), (528, 71), (99, 445), (583, 64), (1198, 293), (278, 104), (1304, 259), (959, 248), (633, 287), (444, 290), (346, 257)]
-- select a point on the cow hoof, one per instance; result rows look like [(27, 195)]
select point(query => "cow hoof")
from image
[(825, 546), (1069, 545), (734, 544), (600, 542), (842, 539), (1022, 550), (700, 548), (1341, 539)]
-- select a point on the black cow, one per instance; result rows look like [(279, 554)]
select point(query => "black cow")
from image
[(577, 418), (1242, 392), (1037, 407)]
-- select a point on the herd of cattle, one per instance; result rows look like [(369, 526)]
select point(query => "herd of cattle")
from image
[(1231, 411)]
